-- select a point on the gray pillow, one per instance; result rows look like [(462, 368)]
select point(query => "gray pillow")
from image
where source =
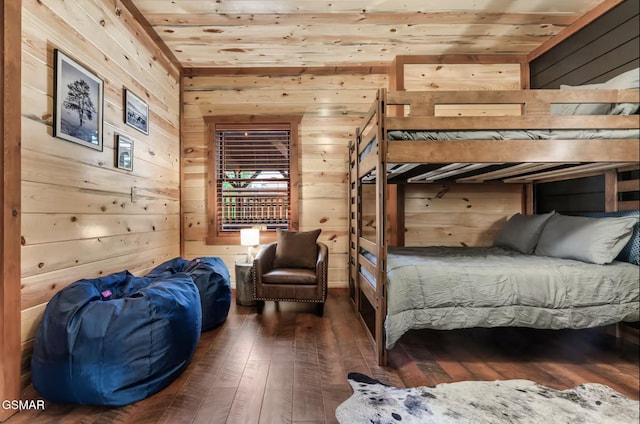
[(594, 240), (582, 108), (521, 232), (629, 79)]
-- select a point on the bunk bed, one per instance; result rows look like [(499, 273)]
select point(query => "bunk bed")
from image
[(393, 144)]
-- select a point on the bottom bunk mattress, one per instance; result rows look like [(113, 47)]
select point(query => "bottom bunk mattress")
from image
[(447, 288)]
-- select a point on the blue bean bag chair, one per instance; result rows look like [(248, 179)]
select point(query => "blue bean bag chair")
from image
[(212, 279), (115, 340)]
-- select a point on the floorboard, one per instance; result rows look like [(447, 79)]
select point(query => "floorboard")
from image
[(289, 366)]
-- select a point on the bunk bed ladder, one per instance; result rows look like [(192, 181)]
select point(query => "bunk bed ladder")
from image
[(354, 220)]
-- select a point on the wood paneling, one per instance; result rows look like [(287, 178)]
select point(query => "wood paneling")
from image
[(606, 47), (10, 69), (252, 34), (330, 104), (575, 26), (458, 76), (458, 214), (571, 196), (81, 216)]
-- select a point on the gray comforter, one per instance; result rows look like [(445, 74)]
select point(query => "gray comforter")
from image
[(459, 287)]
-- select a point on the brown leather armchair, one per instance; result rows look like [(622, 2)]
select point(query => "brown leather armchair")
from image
[(288, 283)]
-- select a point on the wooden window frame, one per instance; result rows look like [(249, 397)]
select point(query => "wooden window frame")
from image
[(231, 238)]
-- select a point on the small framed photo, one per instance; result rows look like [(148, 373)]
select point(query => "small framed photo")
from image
[(124, 152), (136, 112), (78, 103)]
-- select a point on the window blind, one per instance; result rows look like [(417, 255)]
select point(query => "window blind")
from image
[(252, 177)]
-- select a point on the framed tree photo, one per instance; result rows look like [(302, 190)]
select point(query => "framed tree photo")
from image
[(124, 152), (136, 112), (78, 103)]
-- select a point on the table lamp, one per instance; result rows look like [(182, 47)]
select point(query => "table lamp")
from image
[(250, 237)]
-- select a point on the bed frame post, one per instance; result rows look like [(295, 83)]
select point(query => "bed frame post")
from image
[(528, 199), (395, 207), (381, 231), (611, 190)]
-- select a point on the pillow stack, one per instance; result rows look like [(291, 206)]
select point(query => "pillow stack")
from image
[(587, 239)]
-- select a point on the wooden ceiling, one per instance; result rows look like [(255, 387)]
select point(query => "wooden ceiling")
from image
[(309, 33)]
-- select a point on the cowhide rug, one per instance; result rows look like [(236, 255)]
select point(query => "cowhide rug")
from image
[(479, 402)]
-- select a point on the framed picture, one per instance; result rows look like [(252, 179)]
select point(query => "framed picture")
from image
[(124, 152), (136, 112), (78, 97)]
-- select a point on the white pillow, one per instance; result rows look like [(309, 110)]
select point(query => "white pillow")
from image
[(581, 108), (521, 232), (629, 79), (594, 240)]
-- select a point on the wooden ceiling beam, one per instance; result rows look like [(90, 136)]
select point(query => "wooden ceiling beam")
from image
[(150, 31), (387, 18), (462, 59), (287, 71)]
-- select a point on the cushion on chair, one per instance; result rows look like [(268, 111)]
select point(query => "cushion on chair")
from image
[(213, 281), (115, 340), (290, 276), (296, 249)]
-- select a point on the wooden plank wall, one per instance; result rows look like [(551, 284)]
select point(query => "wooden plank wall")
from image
[(449, 214), (571, 196), (461, 76), (603, 49), (80, 218), (10, 65), (331, 102), (458, 214)]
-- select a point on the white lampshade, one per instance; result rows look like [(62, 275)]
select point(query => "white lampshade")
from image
[(249, 237)]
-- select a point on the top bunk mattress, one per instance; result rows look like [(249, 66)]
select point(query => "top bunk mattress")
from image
[(584, 134)]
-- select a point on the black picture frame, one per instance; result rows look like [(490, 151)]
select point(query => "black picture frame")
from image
[(124, 152), (136, 112), (78, 102)]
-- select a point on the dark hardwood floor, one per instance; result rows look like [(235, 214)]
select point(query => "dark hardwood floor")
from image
[(290, 366)]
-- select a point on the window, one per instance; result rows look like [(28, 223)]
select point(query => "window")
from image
[(253, 176)]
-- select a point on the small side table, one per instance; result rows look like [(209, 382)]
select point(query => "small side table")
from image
[(244, 284)]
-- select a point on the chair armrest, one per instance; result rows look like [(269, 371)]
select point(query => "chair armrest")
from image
[(322, 264), (263, 262)]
